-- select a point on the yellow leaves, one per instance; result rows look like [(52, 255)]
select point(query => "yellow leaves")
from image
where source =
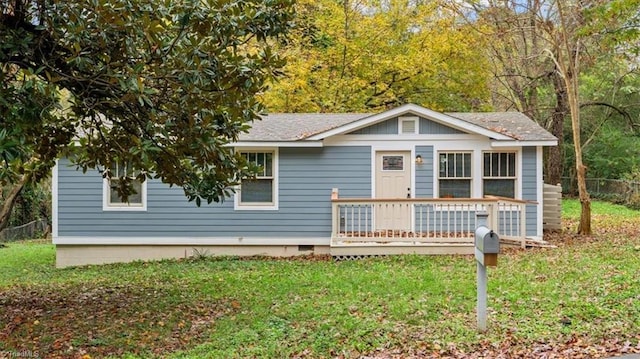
[(156, 26), (366, 56)]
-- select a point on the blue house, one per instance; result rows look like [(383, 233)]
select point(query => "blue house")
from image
[(407, 180)]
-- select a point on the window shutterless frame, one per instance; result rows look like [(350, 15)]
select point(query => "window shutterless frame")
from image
[(454, 174), (499, 173), (261, 192), (110, 198)]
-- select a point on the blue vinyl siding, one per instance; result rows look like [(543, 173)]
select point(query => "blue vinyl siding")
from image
[(428, 127), (306, 177), (530, 187), (424, 172), (390, 127)]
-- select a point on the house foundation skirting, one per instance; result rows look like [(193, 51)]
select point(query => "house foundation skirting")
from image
[(395, 248), (77, 255)]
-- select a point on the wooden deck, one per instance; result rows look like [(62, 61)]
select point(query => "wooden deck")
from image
[(420, 226)]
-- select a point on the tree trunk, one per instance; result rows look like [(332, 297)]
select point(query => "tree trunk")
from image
[(584, 227), (7, 206), (568, 65), (555, 155), (585, 200)]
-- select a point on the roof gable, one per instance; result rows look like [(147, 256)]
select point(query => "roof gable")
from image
[(292, 127), (415, 110), (391, 127)]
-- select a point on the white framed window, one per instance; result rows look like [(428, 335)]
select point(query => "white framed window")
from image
[(111, 200), (499, 174), (261, 192), (454, 175), (408, 125)]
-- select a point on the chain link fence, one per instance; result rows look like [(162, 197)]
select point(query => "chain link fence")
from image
[(617, 191), (34, 229)]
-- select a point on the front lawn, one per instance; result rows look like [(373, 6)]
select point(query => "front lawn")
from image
[(581, 298)]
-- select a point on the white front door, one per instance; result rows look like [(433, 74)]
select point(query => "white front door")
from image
[(393, 181)]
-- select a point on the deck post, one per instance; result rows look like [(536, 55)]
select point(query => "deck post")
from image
[(493, 210), (335, 215), (523, 225)]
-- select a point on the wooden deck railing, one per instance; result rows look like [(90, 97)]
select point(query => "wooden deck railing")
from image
[(427, 220)]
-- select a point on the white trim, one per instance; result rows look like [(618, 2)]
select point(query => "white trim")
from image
[(274, 206), (523, 143), (415, 110), (251, 144), (519, 171), (406, 140), (127, 207), (54, 200), (540, 191), (412, 173), (517, 184), (187, 241), (413, 176), (399, 147), (474, 158)]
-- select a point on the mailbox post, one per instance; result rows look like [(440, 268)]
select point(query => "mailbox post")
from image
[(487, 247)]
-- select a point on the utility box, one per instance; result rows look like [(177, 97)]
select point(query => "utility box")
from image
[(487, 244)]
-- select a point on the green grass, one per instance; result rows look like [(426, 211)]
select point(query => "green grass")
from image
[(224, 308), (571, 210)]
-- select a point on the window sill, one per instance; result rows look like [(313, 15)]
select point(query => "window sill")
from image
[(125, 208), (253, 207)]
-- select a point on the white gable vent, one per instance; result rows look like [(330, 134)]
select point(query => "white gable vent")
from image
[(408, 125)]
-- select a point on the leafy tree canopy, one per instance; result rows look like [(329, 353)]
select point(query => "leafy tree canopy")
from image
[(163, 85), (363, 55)]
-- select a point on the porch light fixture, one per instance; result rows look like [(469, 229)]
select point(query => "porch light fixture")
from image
[(419, 159)]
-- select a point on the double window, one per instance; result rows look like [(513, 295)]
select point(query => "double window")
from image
[(454, 179), (137, 201), (499, 174), (259, 192)]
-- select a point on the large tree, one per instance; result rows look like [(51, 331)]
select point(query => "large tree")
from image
[(547, 44), (163, 86), (364, 55)]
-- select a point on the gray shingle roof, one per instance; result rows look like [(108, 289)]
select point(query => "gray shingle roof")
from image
[(279, 127), (297, 126), (513, 124)]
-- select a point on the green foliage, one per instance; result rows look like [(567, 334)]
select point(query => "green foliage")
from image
[(33, 203), (613, 154), (618, 23), (162, 85), (610, 125)]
